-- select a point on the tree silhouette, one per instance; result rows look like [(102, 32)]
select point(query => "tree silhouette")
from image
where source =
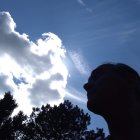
[(63, 122), (7, 105), (9, 126)]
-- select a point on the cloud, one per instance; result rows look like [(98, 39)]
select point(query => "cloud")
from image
[(76, 95), (79, 62), (127, 34), (42, 93), (81, 2), (3, 86), (33, 71)]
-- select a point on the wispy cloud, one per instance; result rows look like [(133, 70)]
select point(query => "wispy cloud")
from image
[(126, 35), (79, 62), (76, 94), (82, 3)]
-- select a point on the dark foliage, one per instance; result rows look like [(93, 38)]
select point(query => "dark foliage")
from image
[(7, 105), (9, 126), (63, 122)]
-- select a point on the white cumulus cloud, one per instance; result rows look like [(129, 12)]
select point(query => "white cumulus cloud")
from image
[(38, 64)]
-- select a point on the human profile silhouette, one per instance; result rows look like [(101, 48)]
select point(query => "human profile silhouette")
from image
[(113, 91)]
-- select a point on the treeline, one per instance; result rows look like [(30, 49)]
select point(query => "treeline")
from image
[(63, 122)]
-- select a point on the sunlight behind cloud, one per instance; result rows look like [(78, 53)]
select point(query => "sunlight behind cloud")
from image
[(33, 71)]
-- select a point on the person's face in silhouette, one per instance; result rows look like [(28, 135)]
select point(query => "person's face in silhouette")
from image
[(104, 88)]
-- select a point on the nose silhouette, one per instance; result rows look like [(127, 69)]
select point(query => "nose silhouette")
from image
[(87, 86)]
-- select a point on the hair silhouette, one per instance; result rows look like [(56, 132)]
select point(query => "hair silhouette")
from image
[(113, 91)]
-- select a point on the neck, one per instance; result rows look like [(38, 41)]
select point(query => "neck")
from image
[(124, 127)]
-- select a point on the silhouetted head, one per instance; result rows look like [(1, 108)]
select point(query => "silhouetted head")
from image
[(113, 88)]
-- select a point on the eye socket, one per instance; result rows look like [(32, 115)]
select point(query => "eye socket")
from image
[(87, 86)]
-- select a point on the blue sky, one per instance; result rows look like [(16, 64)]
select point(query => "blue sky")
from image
[(92, 32)]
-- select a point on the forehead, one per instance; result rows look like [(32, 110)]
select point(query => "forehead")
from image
[(100, 71)]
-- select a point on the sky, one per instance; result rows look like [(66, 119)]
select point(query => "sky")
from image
[(49, 47)]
